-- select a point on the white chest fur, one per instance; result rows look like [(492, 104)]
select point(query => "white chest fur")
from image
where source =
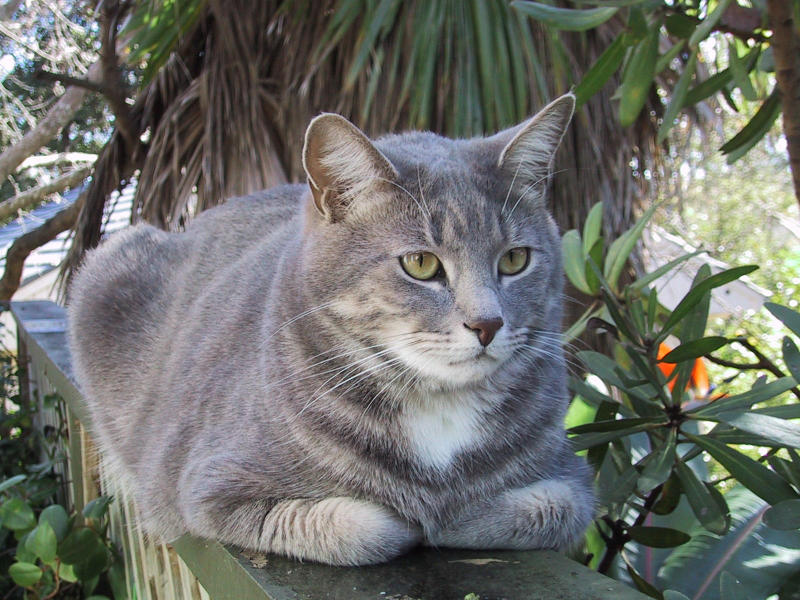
[(441, 427)]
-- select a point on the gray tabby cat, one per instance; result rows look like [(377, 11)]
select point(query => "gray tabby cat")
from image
[(341, 371)]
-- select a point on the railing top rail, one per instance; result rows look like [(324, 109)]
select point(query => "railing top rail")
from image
[(228, 574)]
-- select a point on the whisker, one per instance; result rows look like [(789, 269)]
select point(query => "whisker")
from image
[(527, 189), (305, 313)]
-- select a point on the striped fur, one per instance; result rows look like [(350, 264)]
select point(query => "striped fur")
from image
[(272, 378)]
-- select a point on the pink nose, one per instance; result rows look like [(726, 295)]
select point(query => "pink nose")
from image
[(485, 328)]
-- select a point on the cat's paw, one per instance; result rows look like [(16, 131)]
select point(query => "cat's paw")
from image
[(338, 531), (374, 533), (549, 514)]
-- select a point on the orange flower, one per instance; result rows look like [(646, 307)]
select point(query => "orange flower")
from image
[(698, 380)]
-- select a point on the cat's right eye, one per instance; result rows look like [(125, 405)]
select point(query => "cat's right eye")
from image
[(421, 265)]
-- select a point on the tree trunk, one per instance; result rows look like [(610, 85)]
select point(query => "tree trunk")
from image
[(786, 50)]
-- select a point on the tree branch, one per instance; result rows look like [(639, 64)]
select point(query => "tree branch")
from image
[(763, 364), (62, 158), (619, 535), (28, 242), (31, 197), (57, 117), (92, 86)]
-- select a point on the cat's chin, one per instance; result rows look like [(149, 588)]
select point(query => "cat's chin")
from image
[(458, 373)]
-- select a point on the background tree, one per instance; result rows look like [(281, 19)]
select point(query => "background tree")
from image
[(226, 117), (754, 56)]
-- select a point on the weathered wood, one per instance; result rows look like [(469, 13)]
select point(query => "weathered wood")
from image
[(226, 573)]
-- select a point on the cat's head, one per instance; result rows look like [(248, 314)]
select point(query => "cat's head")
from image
[(437, 253)]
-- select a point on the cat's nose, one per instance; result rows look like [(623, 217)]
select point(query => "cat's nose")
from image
[(485, 328)]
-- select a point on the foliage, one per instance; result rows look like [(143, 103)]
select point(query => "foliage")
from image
[(666, 44), (45, 552), (58, 555), (54, 37), (648, 436), (698, 206)]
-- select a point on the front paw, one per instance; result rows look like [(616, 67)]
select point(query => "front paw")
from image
[(338, 531), (550, 514)]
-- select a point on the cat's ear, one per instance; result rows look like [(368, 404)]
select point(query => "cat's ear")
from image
[(341, 162), (528, 149)]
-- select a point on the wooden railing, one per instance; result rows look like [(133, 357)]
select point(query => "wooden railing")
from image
[(192, 568)]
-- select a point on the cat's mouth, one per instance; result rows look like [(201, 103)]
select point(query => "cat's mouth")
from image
[(482, 356)]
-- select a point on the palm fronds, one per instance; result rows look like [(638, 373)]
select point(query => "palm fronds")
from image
[(226, 112)]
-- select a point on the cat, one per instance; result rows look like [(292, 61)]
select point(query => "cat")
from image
[(343, 370)]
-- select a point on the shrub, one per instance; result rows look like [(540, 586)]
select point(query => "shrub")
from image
[(649, 437)]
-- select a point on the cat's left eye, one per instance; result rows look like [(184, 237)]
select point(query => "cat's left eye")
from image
[(514, 261)]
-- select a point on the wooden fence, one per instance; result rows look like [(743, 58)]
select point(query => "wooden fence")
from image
[(192, 568)]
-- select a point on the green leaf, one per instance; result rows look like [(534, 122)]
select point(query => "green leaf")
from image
[(707, 25), (385, 12), (658, 537), (784, 515), (677, 98), (58, 519), (659, 467), (622, 247), (710, 86), (602, 70), (17, 515), (753, 475), (590, 440), (78, 545), (23, 554), (97, 508), (638, 77), (694, 324), (745, 400), (602, 366), (670, 496), (785, 315), (694, 349), (67, 573), (594, 258), (592, 227), (640, 582), (730, 588), (566, 18), (25, 574), (637, 23), (574, 262), (623, 486), (93, 563), (578, 327), (785, 411), (116, 578), (791, 356), (755, 129), (740, 72), (42, 542), (703, 504), (613, 424), (11, 482), (588, 393), (783, 433), (695, 295), (680, 25)]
